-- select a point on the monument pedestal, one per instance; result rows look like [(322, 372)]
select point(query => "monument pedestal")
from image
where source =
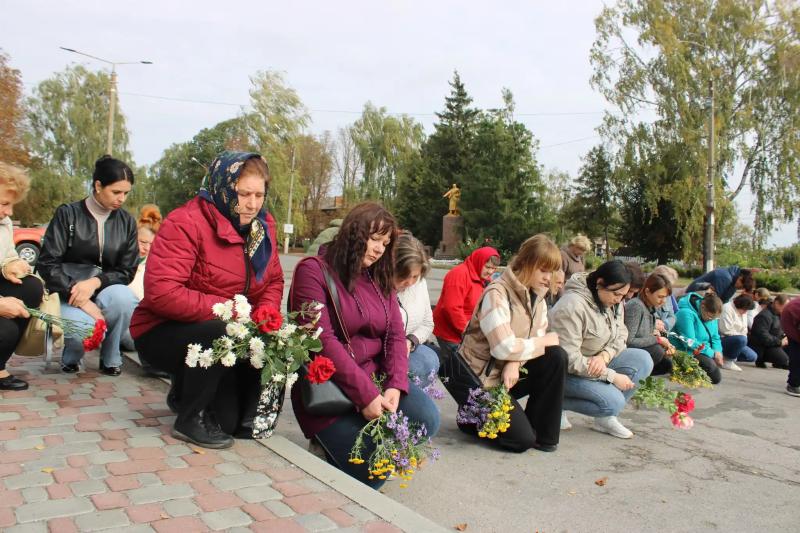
[(452, 235)]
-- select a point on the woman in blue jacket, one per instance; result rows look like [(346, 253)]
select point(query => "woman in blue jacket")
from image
[(725, 281), (697, 331)]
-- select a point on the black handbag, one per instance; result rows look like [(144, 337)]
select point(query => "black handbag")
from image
[(327, 399)]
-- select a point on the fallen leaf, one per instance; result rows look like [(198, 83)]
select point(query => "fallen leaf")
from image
[(197, 450), (164, 515), (47, 469), (461, 527), (572, 492), (601, 482), (39, 447)]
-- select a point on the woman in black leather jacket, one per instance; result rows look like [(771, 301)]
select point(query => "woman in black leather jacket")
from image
[(89, 256)]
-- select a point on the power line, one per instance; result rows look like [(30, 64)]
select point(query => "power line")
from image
[(570, 141)]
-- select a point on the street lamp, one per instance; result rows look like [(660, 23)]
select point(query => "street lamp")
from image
[(112, 96)]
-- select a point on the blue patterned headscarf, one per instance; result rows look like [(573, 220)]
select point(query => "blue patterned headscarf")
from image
[(219, 188)]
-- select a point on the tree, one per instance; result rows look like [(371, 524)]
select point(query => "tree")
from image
[(387, 147), (314, 171), (593, 208), (347, 164), (445, 158), (12, 144), (749, 52), (557, 193), (177, 175)]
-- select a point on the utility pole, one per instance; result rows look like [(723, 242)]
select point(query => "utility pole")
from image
[(112, 92), (708, 237), (288, 228)]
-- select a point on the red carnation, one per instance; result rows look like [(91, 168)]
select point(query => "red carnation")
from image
[(268, 319), (320, 369), (699, 349), (93, 341), (685, 403)]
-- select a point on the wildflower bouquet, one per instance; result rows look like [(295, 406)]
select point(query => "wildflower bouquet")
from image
[(489, 410), (686, 369), (654, 393), (401, 446), (92, 335)]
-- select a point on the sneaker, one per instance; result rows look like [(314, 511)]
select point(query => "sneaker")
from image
[(565, 425), (612, 426), (730, 364), (69, 369), (792, 391)]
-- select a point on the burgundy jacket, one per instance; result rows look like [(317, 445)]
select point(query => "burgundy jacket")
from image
[(790, 319), (197, 260), (366, 326)]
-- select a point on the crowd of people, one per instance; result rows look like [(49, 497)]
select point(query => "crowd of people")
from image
[(567, 339)]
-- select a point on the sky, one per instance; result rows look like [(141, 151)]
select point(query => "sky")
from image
[(336, 55)]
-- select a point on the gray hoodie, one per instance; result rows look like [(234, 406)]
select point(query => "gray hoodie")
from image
[(584, 330)]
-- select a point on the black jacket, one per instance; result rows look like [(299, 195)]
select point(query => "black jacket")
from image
[(766, 331), (71, 237)]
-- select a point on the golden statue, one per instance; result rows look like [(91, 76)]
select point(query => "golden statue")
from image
[(454, 195)]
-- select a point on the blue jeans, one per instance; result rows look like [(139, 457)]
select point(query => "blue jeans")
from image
[(597, 398), (423, 361), (117, 303), (338, 438), (735, 348)]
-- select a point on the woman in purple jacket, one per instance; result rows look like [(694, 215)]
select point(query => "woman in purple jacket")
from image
[(360, 261)]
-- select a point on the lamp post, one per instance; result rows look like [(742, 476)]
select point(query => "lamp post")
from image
[(112, 92)]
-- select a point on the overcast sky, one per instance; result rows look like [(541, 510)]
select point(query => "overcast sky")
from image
[(337, 55)]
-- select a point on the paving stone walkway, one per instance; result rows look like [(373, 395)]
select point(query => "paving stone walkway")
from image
[(88, 452)]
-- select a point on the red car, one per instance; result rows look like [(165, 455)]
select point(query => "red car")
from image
[(28, 242)]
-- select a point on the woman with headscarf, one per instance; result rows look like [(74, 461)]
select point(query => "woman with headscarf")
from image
[(461, 289), (217, 245)]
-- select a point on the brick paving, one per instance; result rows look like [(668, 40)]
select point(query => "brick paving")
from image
[(87, 452)]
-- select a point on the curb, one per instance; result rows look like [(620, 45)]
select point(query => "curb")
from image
[(379, 504)]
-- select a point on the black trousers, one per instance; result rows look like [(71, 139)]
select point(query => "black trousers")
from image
[(540, 421), (661, 363), (11, 329), (793, 349), (230, 392), (774, 354), (710, 366)]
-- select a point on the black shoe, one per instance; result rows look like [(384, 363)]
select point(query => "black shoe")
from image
[(173, 401), (761, 364), (203, 430), (110, 370), (69, 369), (545, 447), (154, 372), (12, 383), (780, 366), (244, 432)]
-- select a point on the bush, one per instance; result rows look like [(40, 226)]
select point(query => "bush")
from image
[(687, 271), (774, 281)]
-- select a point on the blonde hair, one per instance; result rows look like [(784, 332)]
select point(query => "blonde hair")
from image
[(408, 254), (149, 218), (14, 179), (668, 272), (537, 252), (582, 242)]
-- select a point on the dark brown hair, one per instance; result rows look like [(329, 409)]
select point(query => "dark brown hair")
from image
[(347, 250), (744, 301), (712, 305), (748, 282), (656, 282), (637, 275)]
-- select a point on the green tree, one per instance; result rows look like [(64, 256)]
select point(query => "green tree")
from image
[(445, 159), (12, 144), (387, 147), (557, 193), (314, 170), (593, 208), (660, 57)]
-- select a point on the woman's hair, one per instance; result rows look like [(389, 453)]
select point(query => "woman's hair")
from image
[(748, 282), (637, 275), (656, 282), (762, 296), (14, 179), (744, 301), (150, 218), (108, 170), (582, 242), (667, 271), (712, 305), (780, 299), (257, 165), (408, 255), (494, 260), (537, 252), (612, 273), (347, 250)]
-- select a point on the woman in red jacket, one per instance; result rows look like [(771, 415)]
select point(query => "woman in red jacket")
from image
[(215, 246), (461, 290)]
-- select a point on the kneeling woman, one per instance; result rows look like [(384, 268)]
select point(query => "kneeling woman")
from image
[(602, 372), (697, 321), (507, 332), (215, 246), (640, 319), (360, 264)]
